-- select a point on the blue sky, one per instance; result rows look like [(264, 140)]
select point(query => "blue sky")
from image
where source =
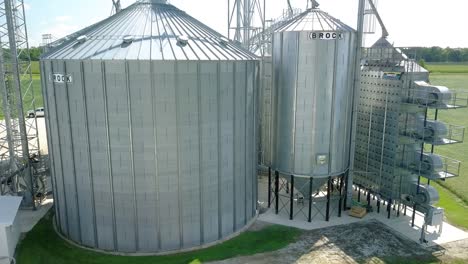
[(410, 22)]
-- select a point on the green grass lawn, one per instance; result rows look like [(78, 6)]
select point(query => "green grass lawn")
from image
[(454, 192), (35, 67), (456, 209), (27, 101), (43, 246), (458, 82), (448, 68)]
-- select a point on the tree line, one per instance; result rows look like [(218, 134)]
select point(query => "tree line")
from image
[(438, 54), (432, 54)]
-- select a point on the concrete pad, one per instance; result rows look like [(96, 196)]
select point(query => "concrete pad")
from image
[(401, 224), (27, 219)]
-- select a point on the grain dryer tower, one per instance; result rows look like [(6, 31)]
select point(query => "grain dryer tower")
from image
[(313, 80), (151, 124)]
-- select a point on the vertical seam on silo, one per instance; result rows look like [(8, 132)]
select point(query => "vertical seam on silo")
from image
[(179, 200), (257, 83), (246, 64), (200, 153), (350, 133), (91, 176), (155, 134), (109, 155), (332, 118), (60, 151), (293, 165), (218, 95), (51, 148), (73, 157), (234, 75), (132, 156)]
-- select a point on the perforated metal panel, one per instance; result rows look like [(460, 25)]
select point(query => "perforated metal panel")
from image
[(377, 136)]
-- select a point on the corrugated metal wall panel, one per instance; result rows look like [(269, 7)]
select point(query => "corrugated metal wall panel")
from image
[(66, 155), (226, 171), (79, 137), (54, 150), (144, 149), (99, 150), (167, 156), (250, 139), (209, 158), (240, 88), (160, 155), (313, 98), (120, 148), (188, 148)]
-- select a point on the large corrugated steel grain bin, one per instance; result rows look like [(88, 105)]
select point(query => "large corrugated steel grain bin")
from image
[(151, 128)]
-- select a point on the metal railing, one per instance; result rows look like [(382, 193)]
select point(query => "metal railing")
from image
[(412, 134), (429, 99)]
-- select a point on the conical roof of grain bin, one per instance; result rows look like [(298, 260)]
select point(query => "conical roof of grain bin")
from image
[(315, 20), (148, 30)]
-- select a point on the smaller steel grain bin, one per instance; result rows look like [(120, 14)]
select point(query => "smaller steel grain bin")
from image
[(313, 80)]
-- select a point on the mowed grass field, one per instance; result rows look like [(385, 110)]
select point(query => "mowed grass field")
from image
[(36, 86), (445, 68), (459, 83), (454, 192), (43, 246)]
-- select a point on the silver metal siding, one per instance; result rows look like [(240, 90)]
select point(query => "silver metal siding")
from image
[(313, 103), (188, 148), (66, 155), (167, 155), (52, 141), (240, 88), (286, 72), (79, 138), (120, 147), (250, 139), (209, 158), (160, 155), (144, 153), (227, 187), (98, 148)]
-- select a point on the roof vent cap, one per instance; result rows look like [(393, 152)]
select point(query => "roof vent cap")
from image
[(81, 39), (182, 40), (128, 39), (224, 41)]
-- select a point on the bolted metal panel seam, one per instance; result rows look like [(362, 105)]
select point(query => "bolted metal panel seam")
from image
[(109, 155), (65, 208), (73, 158), (132, 157), (50, 146), (156, 172), (91, 175)]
